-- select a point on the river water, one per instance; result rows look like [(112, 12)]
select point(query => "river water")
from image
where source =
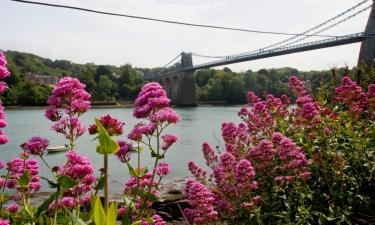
[(198, 124)]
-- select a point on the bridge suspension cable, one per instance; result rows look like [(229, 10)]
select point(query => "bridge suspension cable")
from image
[(165, 67), (303, 33), (320, 25), (165, 20), (330, 26)]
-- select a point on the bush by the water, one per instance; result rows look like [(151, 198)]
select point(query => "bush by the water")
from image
[(308, 163)]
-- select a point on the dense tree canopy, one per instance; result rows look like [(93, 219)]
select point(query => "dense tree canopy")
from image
[(108, 83)]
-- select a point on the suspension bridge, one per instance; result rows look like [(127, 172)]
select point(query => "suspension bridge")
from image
[(179, 82)]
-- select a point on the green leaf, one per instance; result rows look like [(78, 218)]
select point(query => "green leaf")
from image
[(112, 214), (51, 183), (44, 206), (125, 220), (98, 213), (156, 155), (100, 184), (67, 182), (151, 197), (75, 218), (106, 144), (24, 179), (4, 197), (132, 172), (137, 222)]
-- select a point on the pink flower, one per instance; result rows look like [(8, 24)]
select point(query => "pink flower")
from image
[(244, 171), (3, 139), (121, 211), (165, 115), (3, 87), (68, 202), (141, 129), (202, 201), (169, 139), (79, 168), (69, 127), (124, 153), (112, 125), (162, 169), (4, 73), (16, 168), (69, 98), (252, 98), (297, 86), (12, 208), (1, 164), (157, 220), (36, 145), (151, 98), (53, 114), (198, 172), (209, 155), (4, 222)]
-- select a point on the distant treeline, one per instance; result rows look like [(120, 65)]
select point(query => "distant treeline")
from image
[(110, 83)]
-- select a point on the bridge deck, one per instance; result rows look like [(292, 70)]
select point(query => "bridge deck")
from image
[(331, 42)]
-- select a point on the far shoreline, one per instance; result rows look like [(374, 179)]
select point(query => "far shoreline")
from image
[(121, 105)]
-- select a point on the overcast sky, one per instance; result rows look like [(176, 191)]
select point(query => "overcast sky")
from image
[(85, 37)]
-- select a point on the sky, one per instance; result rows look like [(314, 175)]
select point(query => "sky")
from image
[(83, 37)]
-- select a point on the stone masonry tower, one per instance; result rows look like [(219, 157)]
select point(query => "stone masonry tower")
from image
[(367, 51), (185, 84)]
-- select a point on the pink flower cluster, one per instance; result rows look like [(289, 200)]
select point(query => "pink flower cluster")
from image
[(260, 118), (36, 146), (4, 221), (202, 200), (4, 73), (113, 126), (78, 168), (135, 185), (199, 173), (209, 155), (307, 113), (254, 152), (13, 208), (151, 98), (168, 141), (351, 95), (70, 98), (153, 103), (124, 153), (16, 168), (141, 129), (162, 169), (297, 86), (70, 202)]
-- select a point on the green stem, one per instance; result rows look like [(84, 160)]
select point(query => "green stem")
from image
[(45, 163), (153, 171), (106, 183), (56, 205), (3, 189)]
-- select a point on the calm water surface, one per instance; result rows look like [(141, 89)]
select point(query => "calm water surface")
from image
[(197, 125)]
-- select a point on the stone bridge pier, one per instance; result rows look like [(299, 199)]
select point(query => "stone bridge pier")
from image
[(367, 50), (180, 86)]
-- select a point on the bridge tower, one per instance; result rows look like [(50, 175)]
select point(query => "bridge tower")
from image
[(367, 51), (184, 90)]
